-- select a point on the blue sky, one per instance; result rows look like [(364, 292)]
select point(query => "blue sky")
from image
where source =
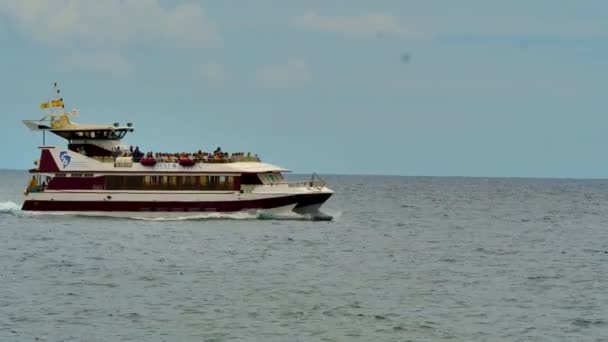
[(489, 88)]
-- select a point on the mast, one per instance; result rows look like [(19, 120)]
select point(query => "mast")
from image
[(54, 101)]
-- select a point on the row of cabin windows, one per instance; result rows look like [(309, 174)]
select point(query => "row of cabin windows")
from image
[(77, 175), (102, 135), (200, 183)]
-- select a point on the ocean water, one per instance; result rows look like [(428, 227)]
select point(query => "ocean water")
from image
[(406, 259)]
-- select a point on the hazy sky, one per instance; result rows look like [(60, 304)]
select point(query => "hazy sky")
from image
[(468, 88)]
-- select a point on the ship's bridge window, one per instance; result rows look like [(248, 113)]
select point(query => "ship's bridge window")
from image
[(108, 134), (271, 178), (251, 179), (116, 134)]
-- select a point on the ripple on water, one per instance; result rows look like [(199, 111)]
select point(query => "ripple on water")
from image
[(94, 284), (586, 323)]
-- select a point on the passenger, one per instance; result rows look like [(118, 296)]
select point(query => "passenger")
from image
[(33, 182), (137, 154)]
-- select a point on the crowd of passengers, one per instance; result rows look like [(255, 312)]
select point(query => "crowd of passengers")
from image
[(216, 156)]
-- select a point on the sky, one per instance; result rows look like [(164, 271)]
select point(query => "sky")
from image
[(484, 88)]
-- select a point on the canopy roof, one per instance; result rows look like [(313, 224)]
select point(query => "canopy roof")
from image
[(65, 124)]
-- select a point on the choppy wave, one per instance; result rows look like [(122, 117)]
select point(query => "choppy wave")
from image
[(12, 208)]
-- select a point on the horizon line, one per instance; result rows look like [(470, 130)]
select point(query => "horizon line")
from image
[(410, 176)]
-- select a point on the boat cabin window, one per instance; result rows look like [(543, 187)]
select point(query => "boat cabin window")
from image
[(195, 183), (271, 178), (93, 134), (250, 179)]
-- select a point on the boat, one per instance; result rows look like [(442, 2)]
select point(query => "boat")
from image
[(98, 173)]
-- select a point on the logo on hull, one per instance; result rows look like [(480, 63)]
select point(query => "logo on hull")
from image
[(65, 158)]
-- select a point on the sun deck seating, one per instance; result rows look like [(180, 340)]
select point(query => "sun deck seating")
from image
[(123, 162)]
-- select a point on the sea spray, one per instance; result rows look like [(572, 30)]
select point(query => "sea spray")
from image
[(9, 207)]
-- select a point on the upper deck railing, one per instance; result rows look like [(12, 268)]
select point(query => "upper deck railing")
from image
[(315, 182), (173, 159)]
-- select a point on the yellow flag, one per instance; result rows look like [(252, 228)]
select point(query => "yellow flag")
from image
[(54, 103), (57, 103)]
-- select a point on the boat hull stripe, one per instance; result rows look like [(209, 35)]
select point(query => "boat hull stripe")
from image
[(301, 200)]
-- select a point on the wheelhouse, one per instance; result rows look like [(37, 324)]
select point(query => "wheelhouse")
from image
[(93, 134)]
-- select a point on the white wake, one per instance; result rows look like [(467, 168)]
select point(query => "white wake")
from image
[(9, 207), (12, 208)]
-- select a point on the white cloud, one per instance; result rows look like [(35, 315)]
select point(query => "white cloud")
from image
[(295, 72), (117, 21), (366, 24), (105, 63), (212, 73)]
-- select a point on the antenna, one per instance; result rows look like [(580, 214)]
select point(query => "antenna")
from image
[(54, 101), (58, 94)]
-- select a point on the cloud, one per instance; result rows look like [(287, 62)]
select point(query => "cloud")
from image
[(104, 63), (295, 72), (367, 24), (212, 73), (116, 21)]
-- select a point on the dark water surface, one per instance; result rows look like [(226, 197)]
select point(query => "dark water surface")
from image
[(418, 259)]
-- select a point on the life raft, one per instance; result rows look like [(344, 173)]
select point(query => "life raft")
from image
[(148, 162), (186, 162)]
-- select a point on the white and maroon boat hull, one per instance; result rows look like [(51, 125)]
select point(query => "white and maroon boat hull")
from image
[(79, 201)]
